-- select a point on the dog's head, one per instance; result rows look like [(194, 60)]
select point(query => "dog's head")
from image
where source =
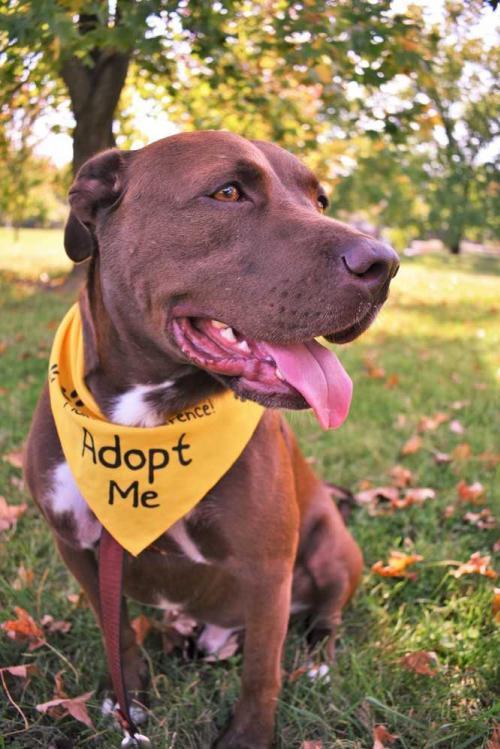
[(217, 250)]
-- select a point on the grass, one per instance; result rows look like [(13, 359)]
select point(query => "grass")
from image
[(438, 336)]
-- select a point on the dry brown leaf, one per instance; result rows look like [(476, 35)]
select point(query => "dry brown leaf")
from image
[(473, 493), (417, 495), (423, 662), (3, 347), (77, 599), (449, 511), (494, 742), (3, 390), (400, 422), (392, 380), (24, 628), (382, 737), (397, 565), (142, 626), (490, 458), (76, 707), (412, 445), (10, 513), (312, 744), (431, 423), (22, 672), (484, 520), (457, 427), (463, 451), (52, 625), (14, 458), (401, 476), (372, 368), (377, 494), (477, 565), (495, 604), (24, 578)]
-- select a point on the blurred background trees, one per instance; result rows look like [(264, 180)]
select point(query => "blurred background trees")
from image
[(395, 108)]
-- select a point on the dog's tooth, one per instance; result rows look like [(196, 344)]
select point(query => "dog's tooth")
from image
[(228, 334), (219, 325), (279, 374), (243, 346)]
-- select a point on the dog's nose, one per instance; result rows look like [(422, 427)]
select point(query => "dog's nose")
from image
[(371, 261)]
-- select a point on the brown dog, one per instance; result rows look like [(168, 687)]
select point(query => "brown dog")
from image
[(190, 231)]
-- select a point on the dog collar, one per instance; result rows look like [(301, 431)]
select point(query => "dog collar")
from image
[(140, 481)]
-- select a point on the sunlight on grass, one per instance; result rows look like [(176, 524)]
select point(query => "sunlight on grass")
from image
[(33, 252)]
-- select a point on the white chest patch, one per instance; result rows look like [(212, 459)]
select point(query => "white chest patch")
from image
[(133, 410), (64, 497)]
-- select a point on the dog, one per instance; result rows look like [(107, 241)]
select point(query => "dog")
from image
[(213, 267)]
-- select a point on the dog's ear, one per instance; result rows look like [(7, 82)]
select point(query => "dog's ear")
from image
[(99, 183)]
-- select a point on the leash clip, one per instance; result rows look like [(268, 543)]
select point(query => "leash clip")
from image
[(135, 741)]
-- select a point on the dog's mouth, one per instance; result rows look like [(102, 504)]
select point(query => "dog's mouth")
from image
[(296, 375)]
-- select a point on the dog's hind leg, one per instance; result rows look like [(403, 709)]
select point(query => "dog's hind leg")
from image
[(83, 565), (334, 562)]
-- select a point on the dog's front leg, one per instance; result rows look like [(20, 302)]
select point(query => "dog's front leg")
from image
[(267, 611)]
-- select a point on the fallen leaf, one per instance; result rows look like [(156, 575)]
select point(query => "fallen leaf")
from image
[(397, 565), (24, 628), (418, 495), (412, 445), (381, 737), (484, 520), (24, 578), (77, 599), (449, 511), (423, 662), (490, 458), (494, 742), (18, 483), (431, 423), (462, 451), (477, 565), (22, 672), (473, 493), (52, 625), (442, 458), (495, 604), (10, 513), (456, 427), (401, 476), (392, 381), (142, 626), (76, 707), (372, 368), (314, 744), (400, 422), (14, 458), (3, 390), (3, 347), (373, 496)]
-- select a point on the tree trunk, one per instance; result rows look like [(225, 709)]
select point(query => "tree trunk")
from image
[(94, 91)]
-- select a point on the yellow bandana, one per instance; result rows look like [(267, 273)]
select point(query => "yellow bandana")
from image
[(140, 481)]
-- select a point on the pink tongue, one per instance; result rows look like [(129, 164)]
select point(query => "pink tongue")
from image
[(319, 376)]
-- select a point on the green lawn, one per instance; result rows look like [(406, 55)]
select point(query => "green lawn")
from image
[(437, 340)]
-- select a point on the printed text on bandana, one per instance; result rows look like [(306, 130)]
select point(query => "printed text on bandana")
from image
[(156, 459)]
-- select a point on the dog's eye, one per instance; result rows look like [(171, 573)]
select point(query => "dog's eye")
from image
[(227, 194), (322, 203)]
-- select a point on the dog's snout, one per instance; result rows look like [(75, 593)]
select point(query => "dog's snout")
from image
[(372, 262)]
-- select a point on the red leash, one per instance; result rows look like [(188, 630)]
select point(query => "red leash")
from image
[(111, 557)]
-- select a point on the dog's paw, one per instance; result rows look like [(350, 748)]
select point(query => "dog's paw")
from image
[(138, 712)]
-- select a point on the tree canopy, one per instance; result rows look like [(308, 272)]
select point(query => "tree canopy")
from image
[(357, 89)]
